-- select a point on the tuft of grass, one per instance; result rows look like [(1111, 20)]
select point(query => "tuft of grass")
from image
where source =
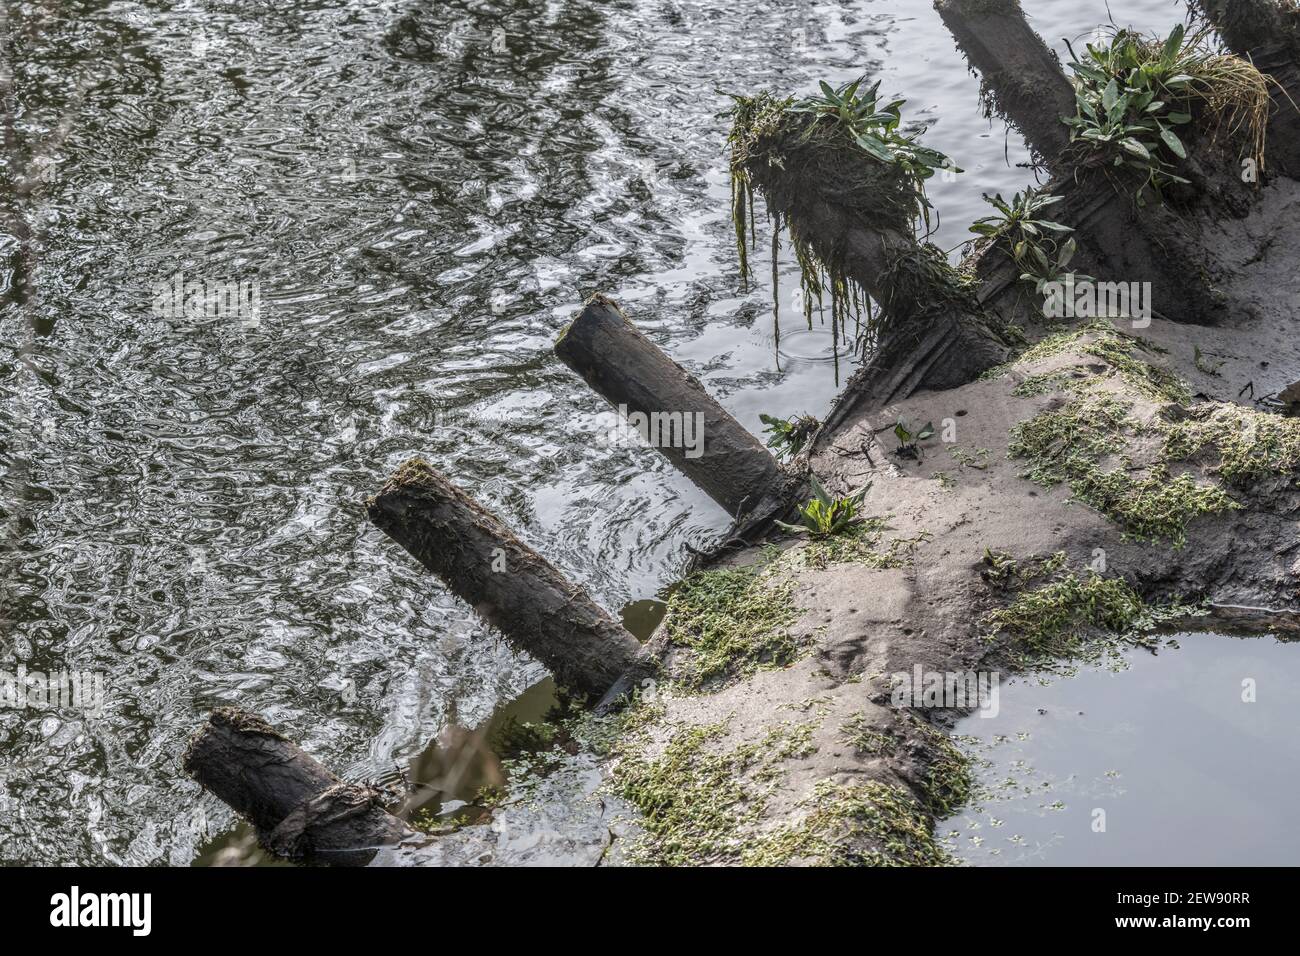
[(734, 621)]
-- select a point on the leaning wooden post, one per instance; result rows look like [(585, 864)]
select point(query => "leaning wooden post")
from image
[(669, 407), (930, 332), (300, 809), (508, 583), (1021, 75), (1247, 25)]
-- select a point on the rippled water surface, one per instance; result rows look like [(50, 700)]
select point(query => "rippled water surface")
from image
[(424, 195)]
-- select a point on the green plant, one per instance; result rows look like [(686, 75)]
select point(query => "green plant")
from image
[(788, 436), (875, 129), (907, 440), (1028, 235), (1134, 94), (1203, 364), (1000, 569), (824, 515)]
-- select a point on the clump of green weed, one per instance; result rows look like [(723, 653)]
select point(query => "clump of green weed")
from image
[(1059, 619), (825, 515), (734, 621), (871, 824), (844, 146)]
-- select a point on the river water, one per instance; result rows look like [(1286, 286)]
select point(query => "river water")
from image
[(418, 212), (1187, 757)]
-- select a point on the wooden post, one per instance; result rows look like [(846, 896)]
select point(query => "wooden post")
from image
[(669, 407), (1021, 74), (948, 346), (300, 809), (509, 584), (1247, 25)]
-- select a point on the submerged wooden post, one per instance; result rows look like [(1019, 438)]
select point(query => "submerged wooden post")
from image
[(508, 583), (1021, 74), (300, 809), (676, 413)]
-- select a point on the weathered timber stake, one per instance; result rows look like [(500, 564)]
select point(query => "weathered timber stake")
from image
[(1020, 72), (300, 809), (508, 583), (629, 371), (949, 347), (1247, 25), (1269, 36)]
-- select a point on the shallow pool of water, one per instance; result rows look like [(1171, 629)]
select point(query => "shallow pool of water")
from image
[(1185, 757)]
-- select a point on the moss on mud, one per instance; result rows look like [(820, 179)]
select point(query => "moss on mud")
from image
[(692, 798), (704, 802), (699, 800), (1102, 340), (947, 782), (1244, 445), (865, 739), (859, 544), (1077, 617), (870, 824), (1074, 444), (733, 621), (1091, 442)]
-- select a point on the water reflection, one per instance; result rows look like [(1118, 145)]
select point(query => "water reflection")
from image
[(1187, 757)]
